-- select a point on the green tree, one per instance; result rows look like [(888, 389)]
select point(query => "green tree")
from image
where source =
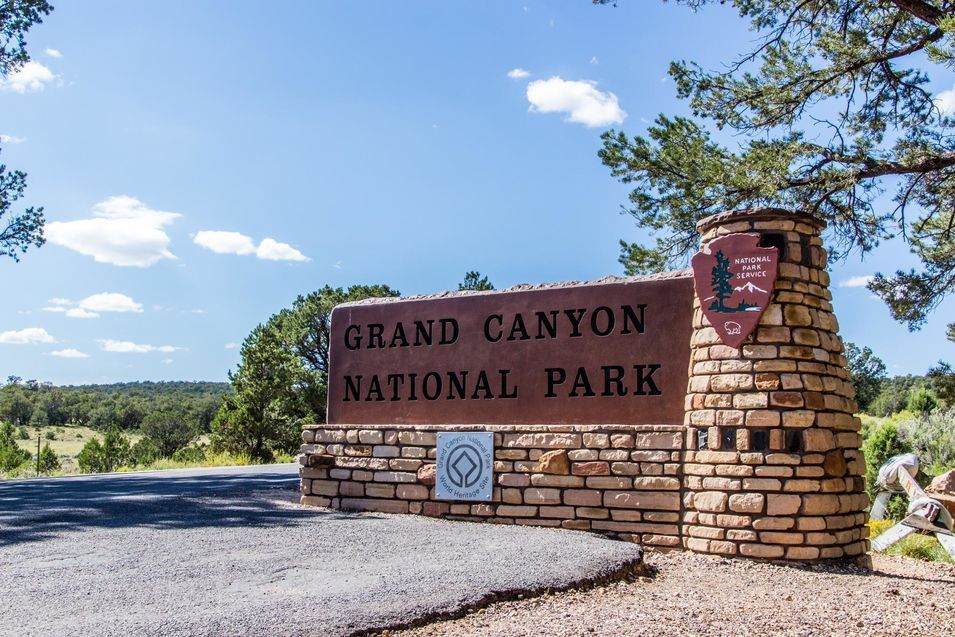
[(922, 401), (722, 288), (18, 232), (282, 379), (878, 446), (11, 455), (829, 109), (48, 460), (867, 372), (473, 280), (106, 456), (252, 421), (15, 405), (942, 377), (168, 430), (39, 417)]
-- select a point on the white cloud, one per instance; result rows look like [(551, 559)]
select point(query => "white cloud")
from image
[(129, 347), (53, 53), (232, 346), (11, 139), (69, 353), (91, 306), (123, 232), (594, 60), (856, 281), (338, 265), (26, 336), (945, 101), (272, 250), (518, 74), (579, 99), (167, 361), (224, 242), (227, 242), (110, 302), (80, 313), (32, 76)]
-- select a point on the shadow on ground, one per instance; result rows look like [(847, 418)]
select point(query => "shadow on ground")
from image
[(36, 510)]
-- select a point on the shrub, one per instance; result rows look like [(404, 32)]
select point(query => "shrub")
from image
[(883, 442), (50, 435), (145, 452), (168, 430), (922, 401), (112, 453), (932, 438), (11, 455), (920, 547), (48, 460), (190, 455), (22, 433)]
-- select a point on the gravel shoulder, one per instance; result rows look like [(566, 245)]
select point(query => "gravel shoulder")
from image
[(138, 556), (703, 595)]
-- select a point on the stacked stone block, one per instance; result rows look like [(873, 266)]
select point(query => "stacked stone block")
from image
[(614, 479), (772, 467)]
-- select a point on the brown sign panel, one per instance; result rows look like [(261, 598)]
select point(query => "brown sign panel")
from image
[(595, 353), (734, 281)]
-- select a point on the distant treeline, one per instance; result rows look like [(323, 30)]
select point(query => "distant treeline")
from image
[(125, 406)]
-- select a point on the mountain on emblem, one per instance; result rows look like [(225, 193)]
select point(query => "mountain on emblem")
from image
[(749, 287), (734, 280)]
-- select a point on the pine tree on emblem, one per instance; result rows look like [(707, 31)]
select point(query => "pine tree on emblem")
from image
[(721, 283)]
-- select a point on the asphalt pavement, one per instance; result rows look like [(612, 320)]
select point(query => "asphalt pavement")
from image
[(227, 551)]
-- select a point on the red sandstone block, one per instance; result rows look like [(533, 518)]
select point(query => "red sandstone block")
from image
[(608, 482), (412, 492), (625, 468), (374, 490), (546, 480), (315, 501), (594, 513), (436, 509), (582, 497), (590, 469), (653, 539), (563, 512), (658, 440), (352, 489), (514, 480), (642, 500), (325, 487), (534, 495), (516, 511), (395, 476)]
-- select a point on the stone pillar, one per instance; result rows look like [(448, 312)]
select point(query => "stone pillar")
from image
[(772, 467)]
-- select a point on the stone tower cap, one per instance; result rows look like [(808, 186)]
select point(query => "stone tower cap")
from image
[(758, 214)]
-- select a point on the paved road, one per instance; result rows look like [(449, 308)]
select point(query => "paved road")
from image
[(227, 551)]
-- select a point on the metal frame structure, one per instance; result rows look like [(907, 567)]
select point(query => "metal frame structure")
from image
[(924, 513)]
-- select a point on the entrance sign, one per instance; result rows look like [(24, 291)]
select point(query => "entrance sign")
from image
[(734, 281), (593, 353), (465, 466)]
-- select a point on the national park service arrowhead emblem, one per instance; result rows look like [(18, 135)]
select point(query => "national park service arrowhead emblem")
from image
[(734, 281)]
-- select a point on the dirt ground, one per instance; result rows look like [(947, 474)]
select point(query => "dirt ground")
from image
[(701, 595)]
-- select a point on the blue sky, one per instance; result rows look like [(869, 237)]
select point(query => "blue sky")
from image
[(336, 143)]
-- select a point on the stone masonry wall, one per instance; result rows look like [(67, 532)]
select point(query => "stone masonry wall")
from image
[(773, 467), (614, 479), (767, 464)]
